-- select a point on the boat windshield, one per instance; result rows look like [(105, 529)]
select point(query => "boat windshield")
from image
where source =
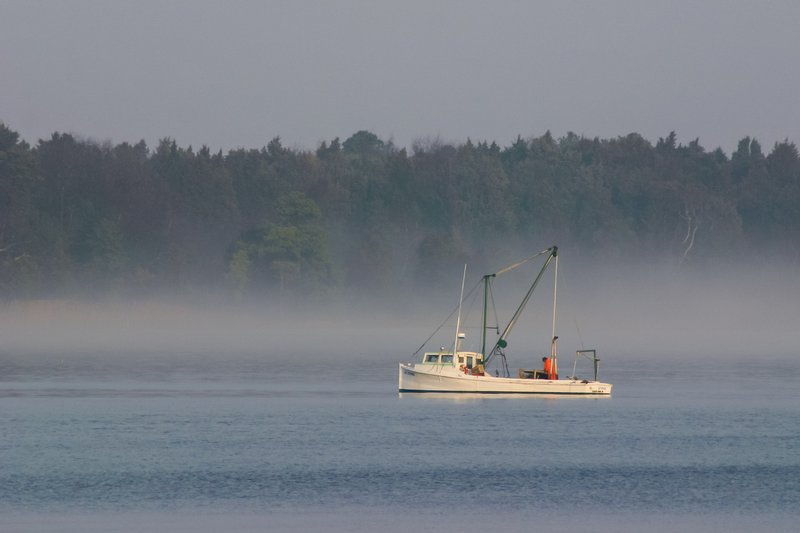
[(435, 359)]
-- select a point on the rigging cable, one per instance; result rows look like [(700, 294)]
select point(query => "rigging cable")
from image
[(571, 312), (498, 273), (509, 268), (445, 320)]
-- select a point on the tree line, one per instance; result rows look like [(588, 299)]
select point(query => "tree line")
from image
[(77, 215)]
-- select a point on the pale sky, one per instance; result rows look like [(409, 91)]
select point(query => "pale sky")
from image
[(238, 73)]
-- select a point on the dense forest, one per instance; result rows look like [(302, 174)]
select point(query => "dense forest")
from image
[(364, 214)]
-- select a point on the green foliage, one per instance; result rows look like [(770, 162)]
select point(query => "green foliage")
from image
[(440, 255), (363, 142), (288, 254), (239, 271), (107, 249), (296, 209), (363, 213)]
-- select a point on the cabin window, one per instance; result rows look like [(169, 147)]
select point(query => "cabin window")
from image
[(447, 359), (469, 361), (460, 359), (431, 358)]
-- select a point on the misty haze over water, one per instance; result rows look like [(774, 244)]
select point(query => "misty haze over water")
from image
[(195, 415), (629, 310)]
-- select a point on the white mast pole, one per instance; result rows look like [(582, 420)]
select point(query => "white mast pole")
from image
[(553, 338), (458, 320)]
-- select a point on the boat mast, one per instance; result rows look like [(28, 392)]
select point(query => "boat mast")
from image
[(485, 311), (458, 320), (553, 350), (555, 295)]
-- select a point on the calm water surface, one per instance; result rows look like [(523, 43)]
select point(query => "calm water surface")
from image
[(246, 442)]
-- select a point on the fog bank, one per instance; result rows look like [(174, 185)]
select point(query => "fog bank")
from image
[(624, 312)]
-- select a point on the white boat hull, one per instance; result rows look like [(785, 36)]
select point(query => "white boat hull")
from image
[(445, 378)]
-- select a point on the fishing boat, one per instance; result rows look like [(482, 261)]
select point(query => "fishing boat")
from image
[(454, 370)]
